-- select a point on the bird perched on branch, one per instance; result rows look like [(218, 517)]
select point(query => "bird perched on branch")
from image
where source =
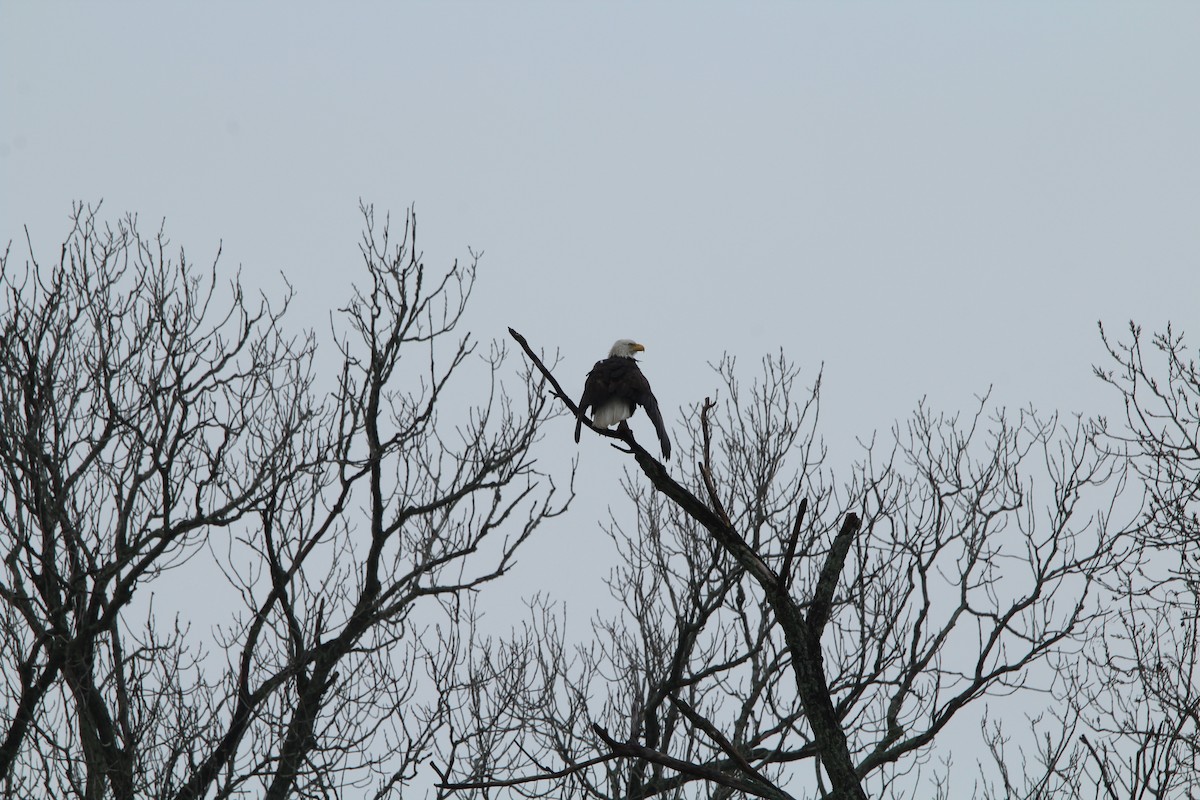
[(615, 388)]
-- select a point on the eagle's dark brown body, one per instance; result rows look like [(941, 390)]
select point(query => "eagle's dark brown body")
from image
[(613, 390)]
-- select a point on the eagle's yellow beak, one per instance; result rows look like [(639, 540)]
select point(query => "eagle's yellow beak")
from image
[(639, 348)]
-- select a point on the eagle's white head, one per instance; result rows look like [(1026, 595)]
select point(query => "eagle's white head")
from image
[(626, 348)]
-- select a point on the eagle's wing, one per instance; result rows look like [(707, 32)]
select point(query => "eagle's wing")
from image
[(589, 397), (650, 403), (646, 399)]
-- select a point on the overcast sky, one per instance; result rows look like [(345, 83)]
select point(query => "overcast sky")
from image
[(926, 198)]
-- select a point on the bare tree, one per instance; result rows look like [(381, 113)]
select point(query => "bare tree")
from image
[(1125, 724), (789, 625), (150, 418), (786, 635), (1141, 696)]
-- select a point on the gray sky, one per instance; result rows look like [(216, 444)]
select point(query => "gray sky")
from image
[(927, 198)]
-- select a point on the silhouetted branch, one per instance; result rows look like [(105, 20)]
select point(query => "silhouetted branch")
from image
[(635, 750)]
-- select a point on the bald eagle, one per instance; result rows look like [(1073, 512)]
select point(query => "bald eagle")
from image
[(615, 388)]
